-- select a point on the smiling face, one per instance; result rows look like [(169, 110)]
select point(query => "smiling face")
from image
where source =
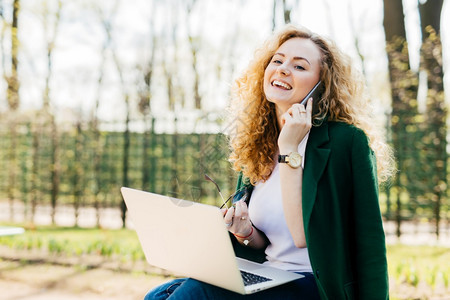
[(292, 73)]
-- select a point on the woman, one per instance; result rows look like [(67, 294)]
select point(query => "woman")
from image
[(310, 174)]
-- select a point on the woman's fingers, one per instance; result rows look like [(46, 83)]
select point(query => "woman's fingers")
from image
[(236, 218), (241, 223), (309, 110), (241, 210), (238, 211), (309, 105), (296, 124), (299, 110), (223, 211), (228, 219)]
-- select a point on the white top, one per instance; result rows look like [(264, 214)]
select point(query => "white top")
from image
[(266, 213)]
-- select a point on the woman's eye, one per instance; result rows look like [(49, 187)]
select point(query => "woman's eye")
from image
[(277, 61), (299, 68)]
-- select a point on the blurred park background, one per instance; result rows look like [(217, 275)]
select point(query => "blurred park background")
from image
[(99, 94)]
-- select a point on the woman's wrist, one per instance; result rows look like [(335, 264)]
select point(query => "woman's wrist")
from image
[(287, 149), (245, 239), (244, 236)]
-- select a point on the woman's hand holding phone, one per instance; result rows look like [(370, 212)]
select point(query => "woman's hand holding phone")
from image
[(296, 123)]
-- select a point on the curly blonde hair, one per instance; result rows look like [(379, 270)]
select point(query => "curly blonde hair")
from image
[(253, 141)]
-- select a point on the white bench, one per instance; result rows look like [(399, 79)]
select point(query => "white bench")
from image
[(9, 230)]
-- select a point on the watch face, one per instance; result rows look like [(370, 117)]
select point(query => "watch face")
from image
[(295, 160)]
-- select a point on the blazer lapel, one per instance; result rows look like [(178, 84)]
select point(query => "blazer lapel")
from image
[(316, 159)]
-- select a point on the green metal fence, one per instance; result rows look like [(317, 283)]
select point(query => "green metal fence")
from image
[(78, 166), (83, 167)]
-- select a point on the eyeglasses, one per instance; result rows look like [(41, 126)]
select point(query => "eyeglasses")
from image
[(220, 193)]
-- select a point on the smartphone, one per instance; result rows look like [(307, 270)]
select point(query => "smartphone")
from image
[(315, 93)]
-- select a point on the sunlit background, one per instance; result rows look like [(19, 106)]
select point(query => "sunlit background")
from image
[(91, 39), (99, 94)]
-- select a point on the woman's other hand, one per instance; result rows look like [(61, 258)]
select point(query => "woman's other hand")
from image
[(237, 220), (296, 123), (238, 223)]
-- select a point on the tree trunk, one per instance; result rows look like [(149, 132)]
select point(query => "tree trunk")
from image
[(436, 142), (12, 164), (12, 93), (77, 172), (286, 13), (430, 15), (126, 97), (286, 9), (12, 96), (145, 108), (46, 106), (54, 167), (404, 84), (35, 181), (96, 131)]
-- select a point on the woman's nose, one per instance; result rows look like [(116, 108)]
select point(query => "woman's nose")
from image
[(282, 69)]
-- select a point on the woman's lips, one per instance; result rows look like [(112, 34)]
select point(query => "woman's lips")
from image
[(281, 84)]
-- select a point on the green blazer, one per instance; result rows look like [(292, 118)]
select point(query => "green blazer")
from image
[(341, 215)]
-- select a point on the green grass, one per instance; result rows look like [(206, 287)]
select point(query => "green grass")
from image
[(414, 265), (122, 244)]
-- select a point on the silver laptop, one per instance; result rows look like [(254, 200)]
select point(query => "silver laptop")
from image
[(190, 239)]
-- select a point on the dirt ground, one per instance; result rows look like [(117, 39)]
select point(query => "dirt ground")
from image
[(43, 281), (40, 280)]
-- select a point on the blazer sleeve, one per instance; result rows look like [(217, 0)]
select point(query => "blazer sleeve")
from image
[(371, 264)]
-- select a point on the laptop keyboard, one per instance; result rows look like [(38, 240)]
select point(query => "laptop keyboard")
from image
[(250, 278)]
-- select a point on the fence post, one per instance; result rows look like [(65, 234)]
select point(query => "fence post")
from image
[(54, 166)]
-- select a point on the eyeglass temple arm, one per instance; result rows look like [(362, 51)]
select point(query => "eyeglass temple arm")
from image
[(218, 189), (232, 196)]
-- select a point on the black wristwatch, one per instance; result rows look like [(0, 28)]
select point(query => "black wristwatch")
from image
[(294, 159)]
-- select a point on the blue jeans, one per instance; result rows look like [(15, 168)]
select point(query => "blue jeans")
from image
[(191, 289)]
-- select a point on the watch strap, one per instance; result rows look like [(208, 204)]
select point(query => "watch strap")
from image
[(282, 158)]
